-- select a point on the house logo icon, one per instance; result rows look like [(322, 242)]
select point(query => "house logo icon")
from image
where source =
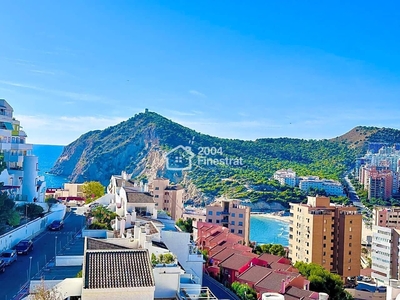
[(179, 159)]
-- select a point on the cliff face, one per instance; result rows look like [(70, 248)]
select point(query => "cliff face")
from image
[(131, 146), (139, 145)]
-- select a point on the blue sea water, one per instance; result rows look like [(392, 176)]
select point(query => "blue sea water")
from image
[(47, 155), (262, 230)]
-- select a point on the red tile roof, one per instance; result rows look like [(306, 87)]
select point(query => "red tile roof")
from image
[(269, 258), (273, 281), (296, 293), (235, 261), (282, 267), (254, 274)]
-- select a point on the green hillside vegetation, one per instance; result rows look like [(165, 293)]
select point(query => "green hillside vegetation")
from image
[(97, 155)]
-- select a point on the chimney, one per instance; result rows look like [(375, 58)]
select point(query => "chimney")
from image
[(283, 287), (147, 228), (136, 230)]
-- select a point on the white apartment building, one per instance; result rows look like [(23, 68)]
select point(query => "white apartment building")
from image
[(20, 178), (331, 187), (286, 177), (385, 254)]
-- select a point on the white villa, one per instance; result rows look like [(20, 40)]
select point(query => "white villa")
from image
[(119, 264), (20, 178)]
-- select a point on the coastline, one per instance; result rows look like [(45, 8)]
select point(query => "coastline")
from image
[(285, 219)]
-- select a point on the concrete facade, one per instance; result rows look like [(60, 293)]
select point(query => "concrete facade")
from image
[(230, 214), (168, 198), (327, 235)]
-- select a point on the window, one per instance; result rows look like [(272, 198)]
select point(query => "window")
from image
[(349, 244), (240, 215), (324, 237), (217, 221), (349, 252), (240, 231), (350, 237), (232, 222), (156, 196), (324, 245), (157, 188), (233, 215), (233, 230), (351, 221), (218, 213), (209, 221), (210, 213), (240, 223)]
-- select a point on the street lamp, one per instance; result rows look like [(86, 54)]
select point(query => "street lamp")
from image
[(55, 247), (30, 267)]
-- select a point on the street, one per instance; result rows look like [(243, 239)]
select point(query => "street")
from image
[(45, 246)]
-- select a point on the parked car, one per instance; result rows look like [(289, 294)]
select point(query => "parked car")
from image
[(366, 279), (9, 256), (2, 266), (56, 225), (24, 246)]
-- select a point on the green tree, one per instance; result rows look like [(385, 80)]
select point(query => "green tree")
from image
[(92, 190), (7, 214), (30, 210), (244, 291), (274, 249), (185, 225), (323, 281), (14, 218), (102, 218)]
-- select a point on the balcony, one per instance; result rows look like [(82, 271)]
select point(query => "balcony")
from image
[(225, 220), (19, 146), (5, 146), (201, 293), (225, 212)]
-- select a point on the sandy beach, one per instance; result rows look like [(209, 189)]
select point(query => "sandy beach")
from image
[(273, 216)]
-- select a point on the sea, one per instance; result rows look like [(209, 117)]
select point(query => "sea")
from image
[(263, 230)]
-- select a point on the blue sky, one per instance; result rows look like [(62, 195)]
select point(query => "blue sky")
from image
[(225, 68)]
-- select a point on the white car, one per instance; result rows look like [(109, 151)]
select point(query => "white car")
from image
[(367, 279)]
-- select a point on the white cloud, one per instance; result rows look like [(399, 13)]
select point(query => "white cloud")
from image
[(66, 94), (197, 93), (45, 129), (43, 72)]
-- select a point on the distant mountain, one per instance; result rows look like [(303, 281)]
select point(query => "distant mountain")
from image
[(234, 167), (361, 137)]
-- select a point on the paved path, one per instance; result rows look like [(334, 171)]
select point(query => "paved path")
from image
[(13, 283)]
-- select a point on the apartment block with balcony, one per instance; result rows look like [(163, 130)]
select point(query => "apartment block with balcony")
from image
[(168, 198), (20, 178), (386, 216), (230, 214), (327, 235), (385, 250), (286, 177)]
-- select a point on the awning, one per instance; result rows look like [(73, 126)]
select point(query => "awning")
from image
[(8, 126)]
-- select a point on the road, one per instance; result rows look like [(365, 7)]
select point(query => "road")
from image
[(217, 288), (45, 246)]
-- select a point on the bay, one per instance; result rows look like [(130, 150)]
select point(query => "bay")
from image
[(47, 155), (263, 230)]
